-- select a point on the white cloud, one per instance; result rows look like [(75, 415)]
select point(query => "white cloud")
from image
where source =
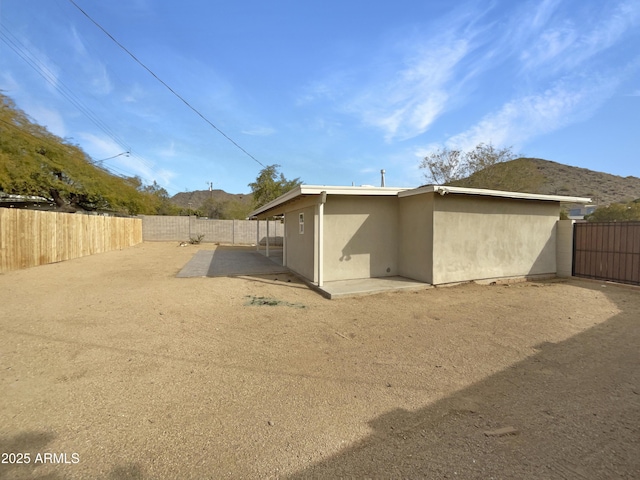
[(100, 81), (51, 119), (412, 78), (95, 74), (563, 44), (529, 116), (317, 91), (169, 151), (77, 43), (566, 47), (140, 167), (8, 84), (552, 44), (542, 14), (104, 149), (408, 100), (99, 147), (259, 131), (38, 60)]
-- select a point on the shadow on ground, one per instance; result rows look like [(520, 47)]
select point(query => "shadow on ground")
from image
[(31, 443), (34, 443), (232, 261), (574, 406)]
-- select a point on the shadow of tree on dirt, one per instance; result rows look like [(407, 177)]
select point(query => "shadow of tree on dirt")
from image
[(31, 442), (574, 406), (35, 443), (131, 471)]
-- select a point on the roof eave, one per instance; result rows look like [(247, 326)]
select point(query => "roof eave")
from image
[(443, 190), (301, 190)]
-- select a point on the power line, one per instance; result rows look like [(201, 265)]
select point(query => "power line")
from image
[(59, 145), (32, 60), (165, 84), (41, 68), (44, 139)]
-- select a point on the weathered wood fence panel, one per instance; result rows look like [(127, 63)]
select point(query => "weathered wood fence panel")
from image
[(607, 251), (31, 237)]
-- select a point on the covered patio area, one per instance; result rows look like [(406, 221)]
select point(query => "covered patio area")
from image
[(367, 286), (228, 261)]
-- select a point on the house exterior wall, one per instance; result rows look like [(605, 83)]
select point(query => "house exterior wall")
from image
[(415, 253), (360, 237), (564, 249), (477, 237), (300, 251)]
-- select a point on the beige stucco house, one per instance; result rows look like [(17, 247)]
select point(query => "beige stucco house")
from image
[(432, 234)]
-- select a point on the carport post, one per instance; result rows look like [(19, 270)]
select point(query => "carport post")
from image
[(257, 234), (267, 236), (284, 241), (323, 200)]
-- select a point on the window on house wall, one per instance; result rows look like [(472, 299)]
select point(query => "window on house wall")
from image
[(301, 222)]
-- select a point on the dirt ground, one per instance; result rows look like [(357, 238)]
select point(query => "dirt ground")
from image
[(124, 371)]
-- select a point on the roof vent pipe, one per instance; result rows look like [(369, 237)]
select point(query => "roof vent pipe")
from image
[(382, 172)]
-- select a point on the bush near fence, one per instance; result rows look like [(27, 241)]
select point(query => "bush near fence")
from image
[(31, 237), (161, 228)]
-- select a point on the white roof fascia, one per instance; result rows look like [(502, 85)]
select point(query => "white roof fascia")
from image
[(290, 195), (443, 190), (339, 190), (330, 189)]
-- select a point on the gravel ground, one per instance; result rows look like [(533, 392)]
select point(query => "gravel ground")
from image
[(118, 368)]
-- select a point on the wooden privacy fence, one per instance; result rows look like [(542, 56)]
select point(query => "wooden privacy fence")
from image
[(31, 237), (607, 251)]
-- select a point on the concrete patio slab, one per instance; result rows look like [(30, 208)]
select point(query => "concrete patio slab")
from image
[(239, 261), (368, 286), (231, 261)]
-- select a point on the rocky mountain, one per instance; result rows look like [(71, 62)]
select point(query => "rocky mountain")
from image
[(529, 175), (197, 198), (534, 175)]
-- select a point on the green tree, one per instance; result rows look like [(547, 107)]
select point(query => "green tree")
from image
[(444, 166), (213, 208), (159, 200), (616, 212), (35, 162), (235, 209), (270, 184), (484, 156)]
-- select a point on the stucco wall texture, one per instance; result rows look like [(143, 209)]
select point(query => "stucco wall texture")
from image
[(361, 237), (481, 237), (415, 255), (428, 237), (300, 247), (564, 248)]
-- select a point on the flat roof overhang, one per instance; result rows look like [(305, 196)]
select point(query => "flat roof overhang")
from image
[(277, 206), (444, 190)]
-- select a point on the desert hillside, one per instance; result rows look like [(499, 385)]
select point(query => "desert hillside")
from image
[(197, 198), (534, 175)]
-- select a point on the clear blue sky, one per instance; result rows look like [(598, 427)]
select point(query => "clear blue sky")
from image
[(333, 91)]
